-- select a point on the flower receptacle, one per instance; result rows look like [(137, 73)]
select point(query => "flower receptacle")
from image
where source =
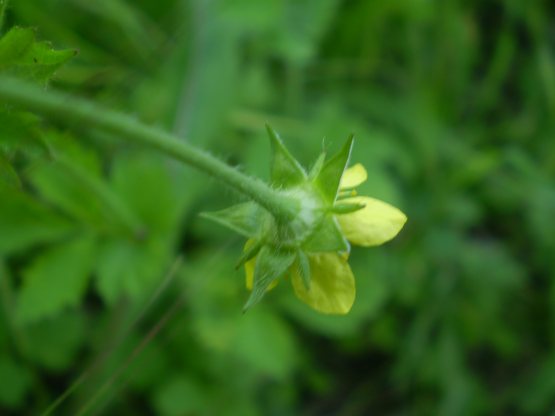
[(311, 245)]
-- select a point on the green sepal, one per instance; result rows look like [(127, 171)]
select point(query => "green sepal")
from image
[(250, 252), (330, 176), (326, 237), (303, 267), (23, 56), (271, 264), (317, 167), (346, 208), (286, 171), (244, 218)]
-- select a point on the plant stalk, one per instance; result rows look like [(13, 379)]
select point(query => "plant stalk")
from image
[(72, 110)]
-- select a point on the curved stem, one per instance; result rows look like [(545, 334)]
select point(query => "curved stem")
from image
[(68, 109)]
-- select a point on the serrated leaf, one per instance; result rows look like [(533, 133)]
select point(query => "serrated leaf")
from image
[(23, 56), (55, 280), (65, 189), (130, 268), (271, 264), (117, 269), (73, 182), (330, 175), (24, 222), (145, 185), (244, 218), (286, 171), (69, 148), (14, 45), (326, 237)]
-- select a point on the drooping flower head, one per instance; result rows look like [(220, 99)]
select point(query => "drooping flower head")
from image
[(311, 249)]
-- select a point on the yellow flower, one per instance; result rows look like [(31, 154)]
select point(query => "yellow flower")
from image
[(332, 286)]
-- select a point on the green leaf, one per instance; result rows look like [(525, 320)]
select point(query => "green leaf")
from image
[(55, 280), (245, 218), (68, 190), (16, 381), (23, 56), (69, 147), (326, 237), (271, 264), (539, 392), (14, 45), (53, 343), (154, 364), (130, 268), (264, 342), (144, 183), (24, 222), (8, 176), (181, 395), (286, 171), (330, 176), (18, 132), (73, 182)]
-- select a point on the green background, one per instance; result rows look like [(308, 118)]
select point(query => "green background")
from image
[(452, 104)]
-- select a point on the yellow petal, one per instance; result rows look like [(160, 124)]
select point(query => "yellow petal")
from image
[(332, 287), (249, 269), (353, 176), (373, 225)]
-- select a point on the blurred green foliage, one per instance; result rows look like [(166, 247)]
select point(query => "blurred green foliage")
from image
[(452, 104)]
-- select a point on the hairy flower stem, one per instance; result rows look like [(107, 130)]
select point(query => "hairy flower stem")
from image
[(72, 110)]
